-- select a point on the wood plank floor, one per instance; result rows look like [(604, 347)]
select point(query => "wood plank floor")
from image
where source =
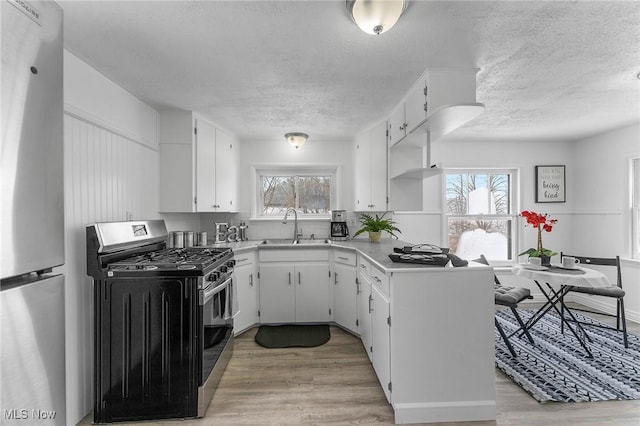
[(334, 384)]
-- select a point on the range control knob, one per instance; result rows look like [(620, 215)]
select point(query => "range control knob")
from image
[(231, 263), (223, 268), (213, 276)]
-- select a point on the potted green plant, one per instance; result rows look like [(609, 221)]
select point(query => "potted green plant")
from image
[(375, 226)]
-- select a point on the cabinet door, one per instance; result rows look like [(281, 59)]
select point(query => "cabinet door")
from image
[(247, 294), (145, 345), (312, 292), (396, 124), (380, 315), (364, 311), (378, 179), (362, 178), (344, 297), (226, 176), (205, 166), (415, 105), (277, 297)]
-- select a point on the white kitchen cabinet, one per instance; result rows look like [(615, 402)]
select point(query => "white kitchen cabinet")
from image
[(277, 293), (345, 304), (226, 178), (294, 286), (380, 324), (397, 124), (364, 305), (246, 284), (312, 292), (374, 319), (198, 165), (439, 102), (435, 90), (370, 179)]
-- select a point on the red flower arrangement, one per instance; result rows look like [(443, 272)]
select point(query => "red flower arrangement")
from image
[(540, 222)]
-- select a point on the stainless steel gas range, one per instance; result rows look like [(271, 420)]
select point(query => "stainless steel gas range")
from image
[(163, 322)]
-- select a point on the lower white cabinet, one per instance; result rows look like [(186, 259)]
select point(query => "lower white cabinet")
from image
[(345, 311), (380, 331), (246, 284), (294, 292), (374, 320), (364, 309)]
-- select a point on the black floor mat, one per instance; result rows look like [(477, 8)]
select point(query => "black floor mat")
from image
[(292, 335)]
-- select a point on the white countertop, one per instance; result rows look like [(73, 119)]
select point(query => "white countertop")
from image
[(376, 252)]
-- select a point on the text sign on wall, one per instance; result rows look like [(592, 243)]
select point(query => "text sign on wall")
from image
[(550, 184)]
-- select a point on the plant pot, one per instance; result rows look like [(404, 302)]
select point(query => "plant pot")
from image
[(375, 236), (545, 260)]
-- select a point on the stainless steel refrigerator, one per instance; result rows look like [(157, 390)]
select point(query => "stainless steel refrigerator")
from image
[(32, 339)]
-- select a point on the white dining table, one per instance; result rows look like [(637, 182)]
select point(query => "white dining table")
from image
[(558, 281)]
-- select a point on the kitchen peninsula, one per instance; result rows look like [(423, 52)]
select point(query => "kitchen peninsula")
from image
[(428, 331)]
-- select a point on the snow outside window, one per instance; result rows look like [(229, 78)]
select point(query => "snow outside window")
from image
[(480, 214)]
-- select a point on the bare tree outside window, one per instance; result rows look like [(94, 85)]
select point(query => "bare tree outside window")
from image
[(307, 194)]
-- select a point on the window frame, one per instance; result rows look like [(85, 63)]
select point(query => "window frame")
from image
[(634, 192), (514, 192), (334, 171)]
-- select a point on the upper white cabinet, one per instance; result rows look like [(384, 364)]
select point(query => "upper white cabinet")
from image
[(397, 124), (439, 102), (371, 169), (198, 162)]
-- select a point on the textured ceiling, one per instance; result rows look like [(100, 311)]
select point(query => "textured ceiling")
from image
[(548, 70)]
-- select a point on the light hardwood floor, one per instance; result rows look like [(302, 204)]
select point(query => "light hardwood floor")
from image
[(334, 384)]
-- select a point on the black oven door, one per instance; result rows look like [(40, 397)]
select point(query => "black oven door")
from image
[(215, 337)]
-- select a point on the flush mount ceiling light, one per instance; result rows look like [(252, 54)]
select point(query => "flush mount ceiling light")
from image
[(375, 16), (296, 139)]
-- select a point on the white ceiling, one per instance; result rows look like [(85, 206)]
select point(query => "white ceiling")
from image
[(548, 70)]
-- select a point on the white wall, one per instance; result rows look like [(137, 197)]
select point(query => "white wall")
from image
[(601, 216), (111, 174), (521, 156), (594, 220), (280, 153)]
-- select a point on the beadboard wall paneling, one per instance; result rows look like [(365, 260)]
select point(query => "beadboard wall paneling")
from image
[(108, 177)]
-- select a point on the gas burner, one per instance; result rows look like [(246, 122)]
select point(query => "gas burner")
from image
[(190, 260)]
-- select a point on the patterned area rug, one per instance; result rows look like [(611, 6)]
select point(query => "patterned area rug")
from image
[(556, 368)]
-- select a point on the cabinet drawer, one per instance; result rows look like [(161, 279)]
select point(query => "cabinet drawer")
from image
[(364, 266), (344, 257), (380, 279), (242, 259), (293, 255)]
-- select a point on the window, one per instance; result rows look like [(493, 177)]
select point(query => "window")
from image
[(635, 208), (480, 213), (310, 192)]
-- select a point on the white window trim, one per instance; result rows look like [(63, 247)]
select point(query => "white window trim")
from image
[(634, 204), (515, 206), (258, 170)]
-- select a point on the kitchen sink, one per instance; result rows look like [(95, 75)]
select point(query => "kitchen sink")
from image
[(285, 241), (314, 241)]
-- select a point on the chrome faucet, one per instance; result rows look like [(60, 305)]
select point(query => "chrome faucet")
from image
[(295, 223)]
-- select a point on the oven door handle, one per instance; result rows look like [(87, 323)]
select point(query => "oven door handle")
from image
[(208, 293)]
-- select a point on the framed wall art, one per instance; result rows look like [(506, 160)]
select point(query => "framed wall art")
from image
[(550, 184)]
